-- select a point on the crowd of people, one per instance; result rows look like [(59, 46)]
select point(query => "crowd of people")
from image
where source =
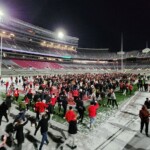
[(48, 95)]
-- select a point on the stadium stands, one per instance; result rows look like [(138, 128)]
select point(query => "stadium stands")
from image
[(36, 64), (34, 50)]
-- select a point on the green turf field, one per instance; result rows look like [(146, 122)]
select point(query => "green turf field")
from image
[(103, 108)]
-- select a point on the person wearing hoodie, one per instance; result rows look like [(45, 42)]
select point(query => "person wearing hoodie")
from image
[(144, 115)]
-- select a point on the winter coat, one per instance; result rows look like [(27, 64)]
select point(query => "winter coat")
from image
[(147, 104), (19, 132), (8, 101), (144, 115), (43, 123), (64, 101), (3, 108)]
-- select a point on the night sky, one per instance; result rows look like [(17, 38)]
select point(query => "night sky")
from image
[(97, 23)]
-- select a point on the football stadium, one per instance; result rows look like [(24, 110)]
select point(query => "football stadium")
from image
[(56, 95)]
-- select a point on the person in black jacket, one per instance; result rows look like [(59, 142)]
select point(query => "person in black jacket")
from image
[(8, 103), (147, 103), (72, 131), (30, 95), (19, 133), (59, 100), (3, 112), (43, 124), (144, 115), (80, 107), (64, 104)]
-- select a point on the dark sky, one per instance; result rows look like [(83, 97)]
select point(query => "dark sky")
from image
[(97, 23)]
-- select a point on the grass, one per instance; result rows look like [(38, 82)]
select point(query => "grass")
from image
[(59, 117), (3, 95)]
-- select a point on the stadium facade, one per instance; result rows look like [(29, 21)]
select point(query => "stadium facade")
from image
[(31, 49)]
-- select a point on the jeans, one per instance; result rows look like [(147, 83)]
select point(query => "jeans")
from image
[(114, 101), (146, 123), (44, 138)]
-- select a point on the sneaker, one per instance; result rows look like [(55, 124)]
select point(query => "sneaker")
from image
[(47, 142)]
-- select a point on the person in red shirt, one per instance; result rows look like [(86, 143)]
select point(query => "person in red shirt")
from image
[(7, 84), (127, 87), (144, 116), (92, 110), (16, 94), (51, 105), (27, 101), (70, 114), (36, 108), (75, 94), (130, 88), (42, 106), (53, 100)]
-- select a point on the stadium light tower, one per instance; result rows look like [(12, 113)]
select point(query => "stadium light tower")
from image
[(122, 53)]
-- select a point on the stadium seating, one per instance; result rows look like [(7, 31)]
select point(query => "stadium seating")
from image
[(36, 64)]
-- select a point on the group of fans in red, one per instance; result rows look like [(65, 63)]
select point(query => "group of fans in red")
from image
[(64, 95)]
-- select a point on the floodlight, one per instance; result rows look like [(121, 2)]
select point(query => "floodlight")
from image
[(60, 35), (1, 13), (12, 34)]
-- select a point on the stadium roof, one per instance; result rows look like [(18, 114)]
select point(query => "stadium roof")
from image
[(94, 49), (19, 26), (146, 50)]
